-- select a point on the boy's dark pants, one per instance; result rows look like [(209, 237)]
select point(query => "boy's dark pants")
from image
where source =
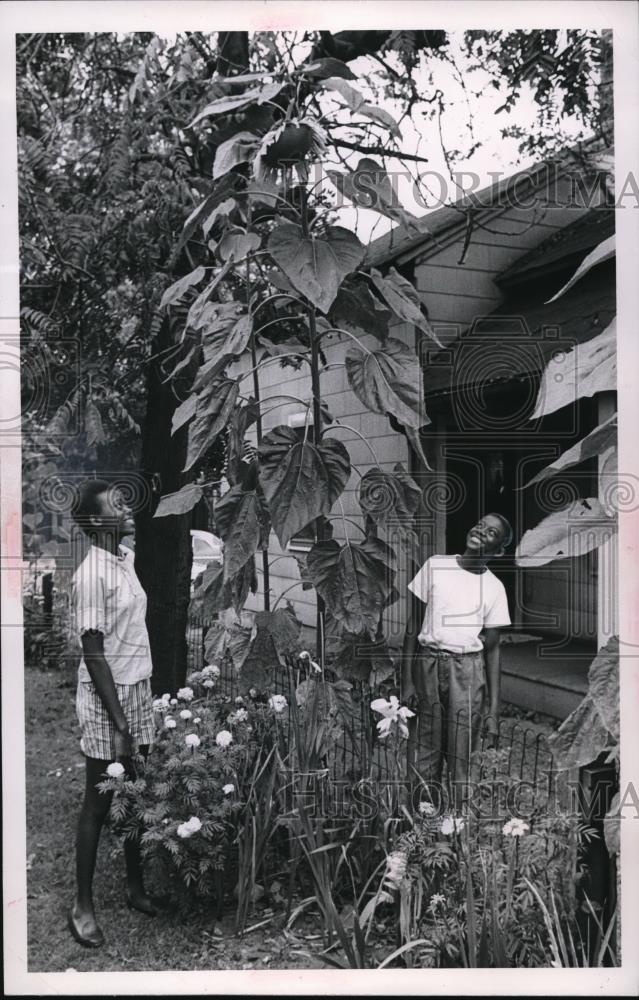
[(448, 685)]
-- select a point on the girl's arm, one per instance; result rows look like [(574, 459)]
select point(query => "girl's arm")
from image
[(100, 673)]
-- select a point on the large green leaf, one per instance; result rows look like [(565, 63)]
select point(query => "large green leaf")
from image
[(388, 380), (223, 640), (242, 522), (588, 368), (573, 531), (237, 149), (391, 499), (215, 594), (369, 186), (321, 69), (284, 629), (316, 266), (360, 658), (237, 244), (598, 441), (233, 102), (358, 104), (356, 309), (181, 502), (241, 419), (300, 480), (175, 291), (198, 312), (354, 580), (215, 403), (225, 334), (403, 299), (183, 413), (603, 685), (601, 253)]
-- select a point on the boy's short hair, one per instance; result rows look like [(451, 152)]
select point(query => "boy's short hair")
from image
[(508, 531), (86, 503)]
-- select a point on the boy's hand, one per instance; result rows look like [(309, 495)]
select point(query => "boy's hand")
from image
[(123, 745)]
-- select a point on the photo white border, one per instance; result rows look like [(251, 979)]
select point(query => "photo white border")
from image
[(166, 16)]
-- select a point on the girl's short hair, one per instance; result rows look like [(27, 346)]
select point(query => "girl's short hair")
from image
[(86, 503)]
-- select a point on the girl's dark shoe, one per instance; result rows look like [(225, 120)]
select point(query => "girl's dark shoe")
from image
[(149, 905), (91, 937)]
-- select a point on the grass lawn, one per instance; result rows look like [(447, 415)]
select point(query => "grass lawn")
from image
[(55, 784)]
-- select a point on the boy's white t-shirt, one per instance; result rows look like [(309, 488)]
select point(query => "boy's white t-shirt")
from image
[(459, 604)]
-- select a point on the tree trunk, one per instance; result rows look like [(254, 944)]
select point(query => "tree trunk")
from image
[(163, 545)]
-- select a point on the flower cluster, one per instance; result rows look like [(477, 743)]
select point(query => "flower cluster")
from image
[(450, 825), (186, 830), (278, 703), (515, 828)]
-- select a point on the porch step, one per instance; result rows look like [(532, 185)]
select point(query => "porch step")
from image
[(538, 680)]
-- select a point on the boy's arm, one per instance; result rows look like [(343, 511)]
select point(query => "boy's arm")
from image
[(493, 676), (100, 673)]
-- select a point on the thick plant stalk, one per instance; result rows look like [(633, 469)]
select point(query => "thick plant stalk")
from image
[(258, 425)]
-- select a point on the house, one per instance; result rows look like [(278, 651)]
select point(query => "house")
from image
[(484, 279)]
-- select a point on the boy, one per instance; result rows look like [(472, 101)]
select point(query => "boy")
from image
[(114, 702), (447, 667)]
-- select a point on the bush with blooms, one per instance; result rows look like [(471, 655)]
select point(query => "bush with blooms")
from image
[(188, 799)]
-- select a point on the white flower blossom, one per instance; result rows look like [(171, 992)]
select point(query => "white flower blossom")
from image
[(210, 670), (427, 809), (197, 721), (159, 705), (192, 740), (438, 899), (186, 830), (224, 738), (315, 667), (393, 713), (185, 694), (450, 825), (173, 701), (166, 698), (515, 828), (169, 723), (252, 693), (241, 715), (228, 789), (239, 700), (395, 868), (186, 714), (208, 683), (278, 703), (115, 770)]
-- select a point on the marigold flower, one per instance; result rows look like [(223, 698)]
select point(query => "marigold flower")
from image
[(450, 825), (185, 694), (515, 828), (186, 830), (252, 693), (115, 770), (186, 714), (427, 809), (224, 738), (278, 703), (241, 715), (239, 700), (196, 721), (228, 789), (211, 670), (192, 740), (169, 723), (208, 683)]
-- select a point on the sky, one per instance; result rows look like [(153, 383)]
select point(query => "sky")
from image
[(421, 136)]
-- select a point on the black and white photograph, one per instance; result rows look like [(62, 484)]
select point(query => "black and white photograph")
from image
[(319, 518)]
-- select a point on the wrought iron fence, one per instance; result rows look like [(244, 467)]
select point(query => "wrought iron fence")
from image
[(516, 760)]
